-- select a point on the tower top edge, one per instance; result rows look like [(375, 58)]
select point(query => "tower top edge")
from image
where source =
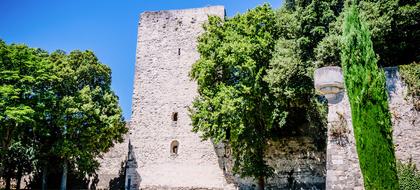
[(207, 9)]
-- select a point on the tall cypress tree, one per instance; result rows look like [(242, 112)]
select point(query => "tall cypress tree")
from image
[(365, 84)]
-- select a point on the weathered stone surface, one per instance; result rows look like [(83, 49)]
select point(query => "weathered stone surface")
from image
[(343, 171), (297, 163), (166, 49), (111, 163), (132, 178), (342, 161), (405, 118), (328, 81)]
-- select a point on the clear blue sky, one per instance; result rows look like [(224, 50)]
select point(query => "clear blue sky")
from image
[(109, 28)]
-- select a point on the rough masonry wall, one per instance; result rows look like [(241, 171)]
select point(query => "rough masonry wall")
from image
[(405, 118), (297, 163), (166, 49), (343, 170)]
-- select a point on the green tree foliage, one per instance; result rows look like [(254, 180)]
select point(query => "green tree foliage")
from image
[(55, 107), (307, 22), (234, 102), (327, 52), (88, 119), (302, 25), (23, 70), (395, 30), (365, 84)]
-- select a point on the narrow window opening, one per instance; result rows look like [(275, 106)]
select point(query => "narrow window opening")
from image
[(179, 51), (174, 147), (175, 116)]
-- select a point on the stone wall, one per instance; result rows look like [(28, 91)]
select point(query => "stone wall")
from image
[(110, 164), (343, 171), (405, 118), (163, 91), (297, 163)]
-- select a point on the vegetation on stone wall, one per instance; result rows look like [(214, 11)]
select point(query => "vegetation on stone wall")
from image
[(411, 76), (339, 130), (408, 175), (365, 84), (57, 113), (254, 79)]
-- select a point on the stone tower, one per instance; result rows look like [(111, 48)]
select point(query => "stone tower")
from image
[(169, 155), (165, 154)]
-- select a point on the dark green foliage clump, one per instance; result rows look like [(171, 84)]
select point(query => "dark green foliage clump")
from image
[(394, 27), (302, 25), (365, 84), (411, 76), (408, 175)]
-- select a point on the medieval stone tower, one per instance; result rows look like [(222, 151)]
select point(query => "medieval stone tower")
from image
[(169, 154), (161, 152)]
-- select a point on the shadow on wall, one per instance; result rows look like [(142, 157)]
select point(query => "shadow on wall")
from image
[(128, 177), (224, 159), (118, 183), (392, 79), (297, 161)]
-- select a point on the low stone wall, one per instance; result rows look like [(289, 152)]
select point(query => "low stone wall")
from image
[(297, 163)]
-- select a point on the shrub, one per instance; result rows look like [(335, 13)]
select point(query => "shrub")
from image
[(408, 175), (340, 130), (411, 76), (371, 118)]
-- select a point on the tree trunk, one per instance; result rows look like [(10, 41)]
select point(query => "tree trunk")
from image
[(18, 177), (261, 183), (63, 185), (44, 177), (8, 179)]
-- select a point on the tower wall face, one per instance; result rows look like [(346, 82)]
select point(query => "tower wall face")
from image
[(166, 50)]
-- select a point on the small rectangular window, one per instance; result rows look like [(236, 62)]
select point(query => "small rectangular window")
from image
[(179, 51), (175, 116)]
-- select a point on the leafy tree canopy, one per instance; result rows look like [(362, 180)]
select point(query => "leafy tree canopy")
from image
[(253, 81), (55, 106), (395, 30), (234, 102)]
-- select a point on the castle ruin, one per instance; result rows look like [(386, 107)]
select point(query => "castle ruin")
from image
[(161, 151)]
